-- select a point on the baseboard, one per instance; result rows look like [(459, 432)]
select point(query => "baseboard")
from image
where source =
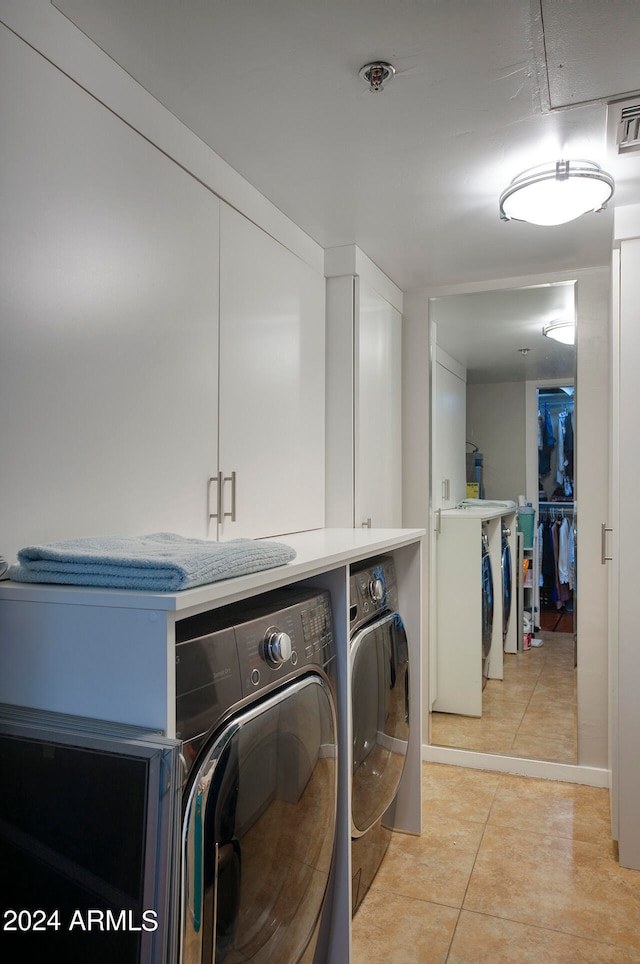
[(563, 772)]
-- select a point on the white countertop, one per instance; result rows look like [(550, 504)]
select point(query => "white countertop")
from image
[(477, 512), (317, 551)]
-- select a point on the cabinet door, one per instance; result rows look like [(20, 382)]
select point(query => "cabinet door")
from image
[(272, 351), (448, 483), (108, 368), (378, 418)]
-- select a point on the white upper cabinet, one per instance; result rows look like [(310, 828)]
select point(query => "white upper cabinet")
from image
[(109, 360), (272, 377), (119, 414), (378, 426), (364, 395)]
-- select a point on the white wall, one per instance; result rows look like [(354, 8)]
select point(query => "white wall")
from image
[(592, 458), (496, 424), (623, 539), (416, 405), (416, 415), (592, 480)]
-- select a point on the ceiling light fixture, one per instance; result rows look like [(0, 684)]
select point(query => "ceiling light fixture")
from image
[(562, 331), (377, 74), (556, 193)]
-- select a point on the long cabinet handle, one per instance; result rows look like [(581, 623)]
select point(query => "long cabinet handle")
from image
[(230, 478), (604, 558), (218, 481)]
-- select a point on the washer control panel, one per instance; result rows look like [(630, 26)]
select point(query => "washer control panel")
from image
[(372, 589)]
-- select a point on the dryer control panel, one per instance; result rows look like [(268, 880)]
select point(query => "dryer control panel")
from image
[(227, 655), (284, 640), (372, 590)]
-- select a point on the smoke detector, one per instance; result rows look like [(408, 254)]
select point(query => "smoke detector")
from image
[(377, 74)]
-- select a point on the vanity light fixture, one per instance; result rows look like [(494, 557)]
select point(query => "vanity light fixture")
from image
[(562, 331), (556, 193)]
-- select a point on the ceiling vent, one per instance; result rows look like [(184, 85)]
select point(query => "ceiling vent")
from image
[(629, 129)]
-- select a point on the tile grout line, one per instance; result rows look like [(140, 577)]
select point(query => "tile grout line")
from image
[(486, 823), (545, 662), (546, 930), (515, 735)]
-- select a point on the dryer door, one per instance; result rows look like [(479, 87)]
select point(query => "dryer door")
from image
[(380, 715), (259, 829)]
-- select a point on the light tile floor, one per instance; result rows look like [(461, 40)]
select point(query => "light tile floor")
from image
[(530, 713), (508, 870)]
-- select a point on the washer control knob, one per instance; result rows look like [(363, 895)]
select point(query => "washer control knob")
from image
[(276, 647), (376, 589)]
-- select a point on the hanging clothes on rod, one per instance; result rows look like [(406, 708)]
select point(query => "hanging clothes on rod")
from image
[(555, 450), (556, 540), (564, 463), (546, 441), (565, 570)]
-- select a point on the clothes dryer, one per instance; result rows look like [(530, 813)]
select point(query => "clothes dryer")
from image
[(380, 714), (256, 713), (487, 606)]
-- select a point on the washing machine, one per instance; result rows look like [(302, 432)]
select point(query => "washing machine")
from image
[(507, 581), (256, 714), (487, 606), (380, 714)]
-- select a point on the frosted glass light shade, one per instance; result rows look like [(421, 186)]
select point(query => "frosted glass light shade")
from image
[(556, 193), (563, 331)]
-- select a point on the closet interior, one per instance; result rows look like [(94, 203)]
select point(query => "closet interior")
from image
[(557, 523)]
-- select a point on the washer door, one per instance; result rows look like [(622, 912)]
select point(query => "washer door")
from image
[(487, 605), (259, 828), (380, 715), (506, 588)]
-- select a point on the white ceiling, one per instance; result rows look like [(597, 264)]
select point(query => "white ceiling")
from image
[(591, 49), (411, 174), (497, 335)]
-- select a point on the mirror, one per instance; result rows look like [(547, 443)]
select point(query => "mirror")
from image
[(503, 409)]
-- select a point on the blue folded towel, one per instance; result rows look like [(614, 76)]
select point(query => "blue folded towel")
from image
[(160, 562)]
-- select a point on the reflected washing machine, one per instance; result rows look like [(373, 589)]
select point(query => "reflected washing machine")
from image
[(256, 713), (380, 714), (487, 606), (507, 581)]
